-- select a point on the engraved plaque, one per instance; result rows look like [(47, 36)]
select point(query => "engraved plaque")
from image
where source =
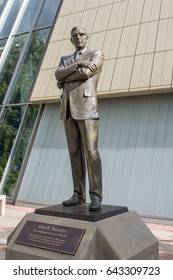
[(51, 237)]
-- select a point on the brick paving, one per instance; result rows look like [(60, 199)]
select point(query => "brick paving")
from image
[(14, 214), (164, 234), (165, 256), (160, 227), (12, 217)]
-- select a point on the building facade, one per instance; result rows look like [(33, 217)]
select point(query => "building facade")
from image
[(135, 106), (25, 27)]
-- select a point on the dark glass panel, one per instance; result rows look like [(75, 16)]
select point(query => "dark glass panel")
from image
[(24, 82), (20, 150), (10, 64), (2, 5), (29, 16), (6, 29), (2, 45), (8, 129), (48, 13)]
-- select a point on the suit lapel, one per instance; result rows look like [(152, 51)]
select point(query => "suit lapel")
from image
[(86, 54), (69, 60)]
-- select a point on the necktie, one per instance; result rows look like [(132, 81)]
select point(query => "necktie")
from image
[(77, 55)]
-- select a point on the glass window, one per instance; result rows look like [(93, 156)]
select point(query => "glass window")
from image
[(9, 22), (2, 45), (8, 130), (2, 5), (25, 51), (10, 64), (29, 15), (48, 13), (20, 150), (24, 82)]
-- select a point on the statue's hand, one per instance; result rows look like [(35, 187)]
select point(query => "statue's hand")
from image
[(60, 85)]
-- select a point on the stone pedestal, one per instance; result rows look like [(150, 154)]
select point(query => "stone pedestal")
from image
[(121, 235)]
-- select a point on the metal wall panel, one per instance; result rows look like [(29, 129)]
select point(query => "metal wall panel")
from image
[(136, 147)]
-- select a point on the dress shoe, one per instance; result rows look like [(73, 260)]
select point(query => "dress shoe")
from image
[(95, 205), (74, 200)]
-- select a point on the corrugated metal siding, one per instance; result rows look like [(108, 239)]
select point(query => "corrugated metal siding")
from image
[(136, 147)]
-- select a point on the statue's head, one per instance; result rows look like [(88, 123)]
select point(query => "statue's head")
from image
[(79, 37)]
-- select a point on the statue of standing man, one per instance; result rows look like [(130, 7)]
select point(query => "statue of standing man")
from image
[(78, 75)]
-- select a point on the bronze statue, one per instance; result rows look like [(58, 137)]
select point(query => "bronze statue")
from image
[(78, 75)]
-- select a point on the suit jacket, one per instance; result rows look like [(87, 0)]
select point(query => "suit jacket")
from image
[(80, 84)]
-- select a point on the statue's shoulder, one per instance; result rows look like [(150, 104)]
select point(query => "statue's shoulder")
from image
[(66, 57), (95, 51)]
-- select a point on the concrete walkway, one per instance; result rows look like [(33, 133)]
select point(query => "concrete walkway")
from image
[(163, 230)]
